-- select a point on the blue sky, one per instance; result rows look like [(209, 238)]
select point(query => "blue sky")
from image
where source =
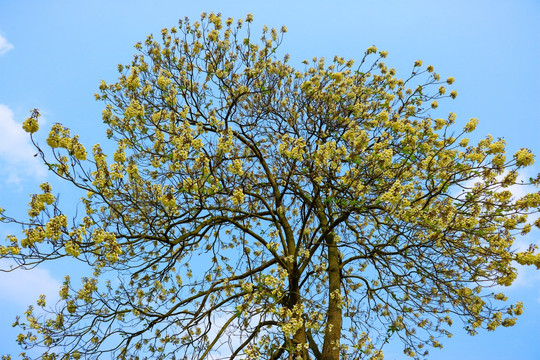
[(53, 55)]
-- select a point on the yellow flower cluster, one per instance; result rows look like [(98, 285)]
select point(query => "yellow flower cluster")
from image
[(168, 200), (225, 142), (13, 249), (39, 201), (132, 82), (238, 197), (529, 201), (120, 154), (116, 171), (105, 242), (328, 154), (236, 167), (215, 20), (101, 174), (292, 320), (133, 171), (394, 193), (89, 287), (357, 138), (439, 123), (30, 125), (497, 147), (213, 35), (54, 227), (59, 137), (72, 249), (371, 50), (134, 110), (64, 290), (33, 235), (163, 82), (471, 125), (386, 156), (524, 157), (292, 148), (528, 258)]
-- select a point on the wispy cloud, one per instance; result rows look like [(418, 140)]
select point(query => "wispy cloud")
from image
[(23, 287), (5, 45), (17, 160)]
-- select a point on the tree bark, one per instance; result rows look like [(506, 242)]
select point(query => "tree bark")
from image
[(299, 338), (332, 334)]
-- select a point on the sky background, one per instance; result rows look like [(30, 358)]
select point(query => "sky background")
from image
[(53, 55)]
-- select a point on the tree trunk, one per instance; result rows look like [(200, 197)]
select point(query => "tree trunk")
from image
[(299, 338), (332, 334)]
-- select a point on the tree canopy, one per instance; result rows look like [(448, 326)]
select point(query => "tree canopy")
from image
[(253, 210)]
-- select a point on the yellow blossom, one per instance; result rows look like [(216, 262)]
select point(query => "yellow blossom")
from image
[(238, 197), (371, 50), (163, 81), (524, 157), (30, 125), (72, 249), (471, 125), (236, 167), (78, 151)]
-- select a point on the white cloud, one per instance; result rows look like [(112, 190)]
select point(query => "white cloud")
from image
[(23, 287), (231, 339), (17, 160), (5, 45)]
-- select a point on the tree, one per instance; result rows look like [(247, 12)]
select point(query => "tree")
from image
[(253, 210)]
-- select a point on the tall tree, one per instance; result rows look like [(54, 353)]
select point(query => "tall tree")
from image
[(253, 210)]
